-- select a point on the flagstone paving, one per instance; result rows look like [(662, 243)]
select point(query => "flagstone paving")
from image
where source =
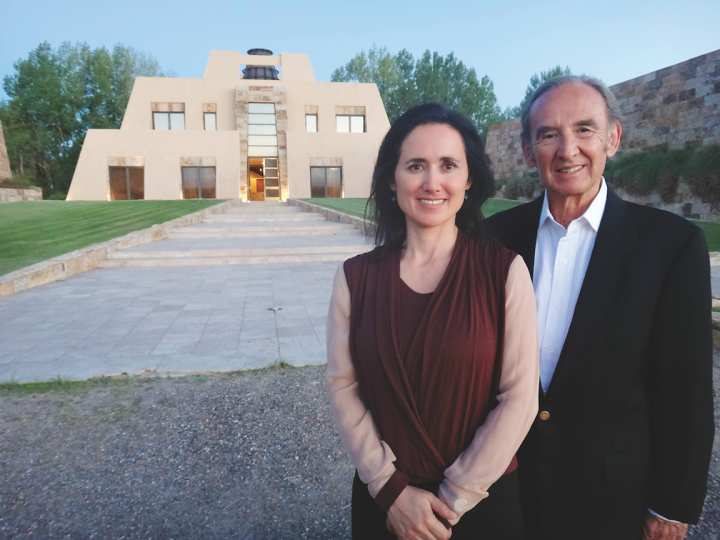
[(186, 303)]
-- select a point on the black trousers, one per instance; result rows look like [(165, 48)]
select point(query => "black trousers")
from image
[(497, 517)]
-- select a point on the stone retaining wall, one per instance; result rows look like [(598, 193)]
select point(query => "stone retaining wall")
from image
[(332, 215), (8, 195), (677, 105), (85, 259)]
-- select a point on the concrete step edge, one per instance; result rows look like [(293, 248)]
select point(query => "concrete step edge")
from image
[(278, 234), (205, 261), (262, 217), (122, 255), (267, 228)]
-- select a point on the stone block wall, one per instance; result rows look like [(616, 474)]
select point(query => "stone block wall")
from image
[(8, 195), (505, 150), (5, 173), (677, 105)]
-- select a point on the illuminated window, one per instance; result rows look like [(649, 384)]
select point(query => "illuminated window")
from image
[(127, 183), (198, 182), (325, 182)]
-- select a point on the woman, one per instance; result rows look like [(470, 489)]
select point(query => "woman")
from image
[(432, 345)]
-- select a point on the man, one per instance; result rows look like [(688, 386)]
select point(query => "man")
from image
[(621, 446)]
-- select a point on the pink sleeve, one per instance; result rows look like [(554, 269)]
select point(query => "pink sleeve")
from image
[(498, 439), (371, 456)]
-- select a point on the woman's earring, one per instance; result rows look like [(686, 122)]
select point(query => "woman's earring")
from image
[(466, 196), (394, 198)]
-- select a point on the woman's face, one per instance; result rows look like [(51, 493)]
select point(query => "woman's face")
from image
[(431, 176)]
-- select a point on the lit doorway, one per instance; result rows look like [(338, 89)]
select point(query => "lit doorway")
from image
[(264, 179)]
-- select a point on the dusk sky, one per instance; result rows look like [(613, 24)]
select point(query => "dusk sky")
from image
[(508, 41)]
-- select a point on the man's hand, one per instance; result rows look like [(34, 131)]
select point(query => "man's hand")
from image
[(411, 516), (657, 528)]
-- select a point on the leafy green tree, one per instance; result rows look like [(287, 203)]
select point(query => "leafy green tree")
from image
[(55, 96), (404, 83), (535, 81), (447, 80)]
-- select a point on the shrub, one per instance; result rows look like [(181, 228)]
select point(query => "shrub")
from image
[(18, 181), (57, 196), (524, 186), (703, 173), (642, 173), (662, 170)]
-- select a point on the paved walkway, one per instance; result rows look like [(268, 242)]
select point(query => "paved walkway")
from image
[(199, 300)]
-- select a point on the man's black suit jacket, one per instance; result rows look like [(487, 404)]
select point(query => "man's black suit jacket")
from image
[(631, 400)]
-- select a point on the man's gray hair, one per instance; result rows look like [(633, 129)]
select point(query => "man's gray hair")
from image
[(613, 108)]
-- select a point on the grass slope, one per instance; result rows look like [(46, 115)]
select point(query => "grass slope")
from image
[(35, 231), (356, 207)]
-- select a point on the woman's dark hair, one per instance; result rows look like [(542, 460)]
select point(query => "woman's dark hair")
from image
[(389, 227)]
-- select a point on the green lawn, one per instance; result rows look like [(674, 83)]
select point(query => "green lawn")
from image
[(31, 232), (356, 207), (712, 234)]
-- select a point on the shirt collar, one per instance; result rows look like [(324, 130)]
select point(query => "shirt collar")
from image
[(593, 215)]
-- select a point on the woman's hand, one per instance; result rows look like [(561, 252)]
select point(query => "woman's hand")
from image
[(411, 516)]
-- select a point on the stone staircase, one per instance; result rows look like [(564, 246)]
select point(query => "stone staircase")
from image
[(254, 233)]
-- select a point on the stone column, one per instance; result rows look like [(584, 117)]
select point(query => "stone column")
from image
[(5, 173)]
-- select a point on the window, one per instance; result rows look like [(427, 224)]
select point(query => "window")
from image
[(262, 130), (209, 119), (350, 124), (325, 182), (169, 120), (127, 183), (311, 123), (198, 182)]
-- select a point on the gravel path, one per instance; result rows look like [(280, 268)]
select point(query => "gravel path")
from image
[(199, 457)]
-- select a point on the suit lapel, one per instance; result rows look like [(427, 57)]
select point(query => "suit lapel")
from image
[(603, 288), (525, 232)]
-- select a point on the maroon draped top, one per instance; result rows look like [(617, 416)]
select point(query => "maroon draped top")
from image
[(428, 366)]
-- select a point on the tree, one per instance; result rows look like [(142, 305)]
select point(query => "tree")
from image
[(535, 81), (404, 83), (55, 96)]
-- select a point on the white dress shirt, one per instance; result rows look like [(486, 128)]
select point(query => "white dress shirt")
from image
[(561, 260)]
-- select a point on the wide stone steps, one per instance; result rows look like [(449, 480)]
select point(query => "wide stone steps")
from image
[(265, 208), (122, 259), (266, 230), (243, 217), (253, 233)]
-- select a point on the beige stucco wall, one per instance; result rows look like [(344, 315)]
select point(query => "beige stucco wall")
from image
[(192, 92), (161, 150)]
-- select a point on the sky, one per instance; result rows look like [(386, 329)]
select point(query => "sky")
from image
[(508, 41)]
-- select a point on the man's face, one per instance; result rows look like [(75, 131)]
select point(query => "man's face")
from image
[(569, 130)]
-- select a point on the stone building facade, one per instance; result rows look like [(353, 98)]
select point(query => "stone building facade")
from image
[(678, 106), (254, 127)]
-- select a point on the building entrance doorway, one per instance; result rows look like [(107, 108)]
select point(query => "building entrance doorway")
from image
[(264, 179)]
